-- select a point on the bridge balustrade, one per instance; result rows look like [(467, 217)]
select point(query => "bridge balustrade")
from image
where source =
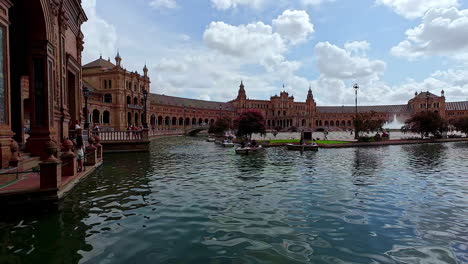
[(122, 135)]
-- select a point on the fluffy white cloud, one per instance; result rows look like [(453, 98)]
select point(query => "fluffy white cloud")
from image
[(100, 35), (358, 47), (335, 62), (442, 32), (163, 4), (416, 8), (227, 4), (315, 2), (254, 42), (294, 25)]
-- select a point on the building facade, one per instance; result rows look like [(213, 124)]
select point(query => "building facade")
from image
[(116, 95), (117, 102), (40, 80)]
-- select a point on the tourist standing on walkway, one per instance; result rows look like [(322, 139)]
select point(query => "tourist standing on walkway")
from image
[(80, 151)]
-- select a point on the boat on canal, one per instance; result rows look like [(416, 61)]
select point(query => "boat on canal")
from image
[(304, 147), (249, 150), (228, 144), (210, 139)]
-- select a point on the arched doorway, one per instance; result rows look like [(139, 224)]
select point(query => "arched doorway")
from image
[(28, 44), (129, 119), (106, 117), (96, 116), (136, 119)]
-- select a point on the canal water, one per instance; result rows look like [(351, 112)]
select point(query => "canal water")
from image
[(190, 201)]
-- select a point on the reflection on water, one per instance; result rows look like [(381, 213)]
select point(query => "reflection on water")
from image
[(189, 201)]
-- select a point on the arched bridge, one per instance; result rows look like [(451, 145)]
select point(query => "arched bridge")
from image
[(193, 131)]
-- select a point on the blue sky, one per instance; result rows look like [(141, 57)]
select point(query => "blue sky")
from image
[(203, 48)]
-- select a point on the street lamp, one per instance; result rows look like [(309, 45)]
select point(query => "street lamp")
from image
[(427, 101), (145, 97), (86, 96), (356, 88), (184, 121)]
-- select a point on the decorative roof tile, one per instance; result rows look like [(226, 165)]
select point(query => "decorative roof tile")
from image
[(362, 109), (99, 63), (158, 99), (456, 106)]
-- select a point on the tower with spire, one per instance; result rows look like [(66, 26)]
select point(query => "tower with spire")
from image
[(241, 99), (118, 60), (145, 71)]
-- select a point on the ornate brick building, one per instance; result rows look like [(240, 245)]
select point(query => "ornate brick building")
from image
[(282, 111), (116, 95), (40, 79), (117, 102)]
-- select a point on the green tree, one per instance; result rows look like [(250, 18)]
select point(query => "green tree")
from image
[(462, 125), (220, 126), (364, 122), (426, 123), (250, 122)]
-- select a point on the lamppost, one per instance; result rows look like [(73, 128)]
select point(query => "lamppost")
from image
[(184, 121), (86, 96), (356, 88), (145, 97), (427, 101)]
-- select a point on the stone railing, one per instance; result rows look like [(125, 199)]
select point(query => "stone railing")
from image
[(122, 135)]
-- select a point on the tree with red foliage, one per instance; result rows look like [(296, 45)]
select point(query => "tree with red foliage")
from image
[(425, 124), (220, 126), (462, 125), (250, 122)]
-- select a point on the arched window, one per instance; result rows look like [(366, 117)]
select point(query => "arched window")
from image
[(326, 123), (106, 117), (194, 121), (129, 118), (337, 123), (303, 122), (160, 120), (332, 123), (284, 113), (110, 84), (96, 116), (142, 101), (187, 121), (153, 120), (320, 122), (136, 119), (200, 121), (135, 101), (129, 100), (349, 122), (181, 121), (206, 121), (174, 121), (343, 123), (167, 121), (108, 98), (212, 121)]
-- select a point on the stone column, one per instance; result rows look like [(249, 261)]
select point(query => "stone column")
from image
[(51, 169), (69, 167)]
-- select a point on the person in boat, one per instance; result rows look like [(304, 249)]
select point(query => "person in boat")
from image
[(253, 143), (243, 144)]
